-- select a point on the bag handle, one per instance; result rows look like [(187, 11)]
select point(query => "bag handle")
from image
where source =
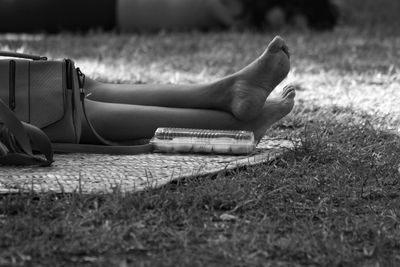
[(26, 136), (109, 147), (21, 55)]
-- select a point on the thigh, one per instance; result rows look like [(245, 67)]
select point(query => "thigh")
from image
[(124, 122), (205, 96)]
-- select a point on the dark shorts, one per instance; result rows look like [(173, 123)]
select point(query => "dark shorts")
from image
[(56, 15)]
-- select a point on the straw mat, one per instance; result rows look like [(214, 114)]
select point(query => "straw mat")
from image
[(92, 173)]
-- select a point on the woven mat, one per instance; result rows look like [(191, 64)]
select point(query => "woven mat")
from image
[(91, 174)]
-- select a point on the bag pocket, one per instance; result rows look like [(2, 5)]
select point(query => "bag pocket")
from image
[(66, 127), (4, 80), (14, 87), (47, 90)]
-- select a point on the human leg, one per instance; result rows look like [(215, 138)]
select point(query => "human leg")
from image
[(205, 95), (122, 122), (243, 93)]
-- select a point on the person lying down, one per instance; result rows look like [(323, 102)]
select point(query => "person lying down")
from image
[(239, 101), (128, 113)]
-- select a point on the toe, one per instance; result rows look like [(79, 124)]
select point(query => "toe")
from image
[(287, 89), (277, 44), (291, 94), (285, 49)]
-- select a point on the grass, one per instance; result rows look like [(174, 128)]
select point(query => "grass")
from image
[(332, 201)]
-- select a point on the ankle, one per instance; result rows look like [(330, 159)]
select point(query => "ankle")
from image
[(221, 93)]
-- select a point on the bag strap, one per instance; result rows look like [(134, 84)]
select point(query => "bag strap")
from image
[(27, 138), (109, 147), (21, 55)]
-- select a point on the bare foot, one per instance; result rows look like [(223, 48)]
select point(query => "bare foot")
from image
[(272, 111), (251, 86)]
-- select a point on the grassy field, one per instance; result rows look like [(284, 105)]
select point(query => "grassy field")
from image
[(332, 201)]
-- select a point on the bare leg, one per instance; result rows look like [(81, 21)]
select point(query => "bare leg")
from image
[(121, 122), (205, 96), (243, 93)]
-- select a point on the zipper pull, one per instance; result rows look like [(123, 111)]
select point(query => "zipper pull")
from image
[(11, 93), (81, 82), (81, 78)]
